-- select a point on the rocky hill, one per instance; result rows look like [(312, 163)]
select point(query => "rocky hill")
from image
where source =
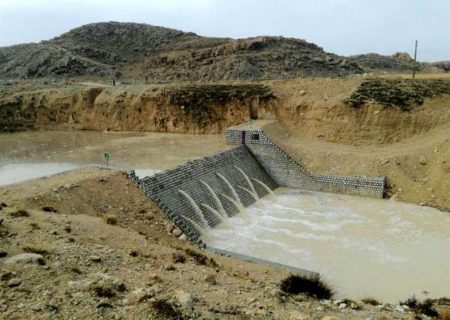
[(143, 51), (157, 54), (400, 61)]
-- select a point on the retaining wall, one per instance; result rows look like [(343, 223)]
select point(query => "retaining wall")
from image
[(164, 188), (287, 172)]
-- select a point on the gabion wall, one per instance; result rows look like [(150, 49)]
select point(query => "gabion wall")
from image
[(286, 172), (164, 188)]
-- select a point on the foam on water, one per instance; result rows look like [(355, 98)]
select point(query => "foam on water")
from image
[(142, 173), (363, 247)]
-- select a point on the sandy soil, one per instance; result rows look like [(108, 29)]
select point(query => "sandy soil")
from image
[(95, 270)]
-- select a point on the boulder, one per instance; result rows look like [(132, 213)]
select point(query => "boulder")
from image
[(26, 258), (177, 232), (139, 295), (211, 279), (423, 161), (184, 299), (14, 282)]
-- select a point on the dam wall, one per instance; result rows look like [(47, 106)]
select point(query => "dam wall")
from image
[(287, 172), (224, 182)]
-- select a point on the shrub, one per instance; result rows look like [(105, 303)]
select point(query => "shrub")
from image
[(178, 257), (425, 307), (111, 219), (166, 309), (313, 287), (20, 213), (371, 301), (201, 259)]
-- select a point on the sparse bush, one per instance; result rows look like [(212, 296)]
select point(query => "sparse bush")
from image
[(105, 291), (20, 213), (107, 287), (201, 259), (34, 226), (133, 253), (425, 307), (313, 287), (49, 209), (111, 219), (178, 257), (166, 310), (371, 301)]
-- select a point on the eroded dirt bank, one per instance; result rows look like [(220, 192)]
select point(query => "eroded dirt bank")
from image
[(207, 108), (362, 112), (109, 254)]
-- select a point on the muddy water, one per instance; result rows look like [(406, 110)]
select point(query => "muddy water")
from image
[(30, 155), (363, 248)]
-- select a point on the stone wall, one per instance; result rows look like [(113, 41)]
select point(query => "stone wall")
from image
[(192, 177), (287, 172)]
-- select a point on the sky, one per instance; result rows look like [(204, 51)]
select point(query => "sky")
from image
[(344, 27)]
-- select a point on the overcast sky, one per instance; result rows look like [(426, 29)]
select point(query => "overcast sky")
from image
[(344, 27)]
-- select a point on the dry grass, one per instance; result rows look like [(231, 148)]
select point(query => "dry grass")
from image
[(445, 314), (418, 75)]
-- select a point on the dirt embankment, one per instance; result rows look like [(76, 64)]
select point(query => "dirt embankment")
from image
[(95, 253), (385, 113), (398, 128), (183, 108)]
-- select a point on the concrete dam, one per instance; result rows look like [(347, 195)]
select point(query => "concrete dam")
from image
[(202, 193)]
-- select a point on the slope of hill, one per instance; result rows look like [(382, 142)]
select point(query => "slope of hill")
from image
[(156, 53), (398, 62)]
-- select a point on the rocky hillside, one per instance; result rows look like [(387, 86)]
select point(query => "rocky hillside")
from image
[(398, 62), (157, 54), (143, 51)]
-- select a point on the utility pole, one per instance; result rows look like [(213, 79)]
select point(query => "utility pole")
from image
[(415, 60)]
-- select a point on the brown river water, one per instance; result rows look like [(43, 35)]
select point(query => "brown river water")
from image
[(363, 247), (29, 155)]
